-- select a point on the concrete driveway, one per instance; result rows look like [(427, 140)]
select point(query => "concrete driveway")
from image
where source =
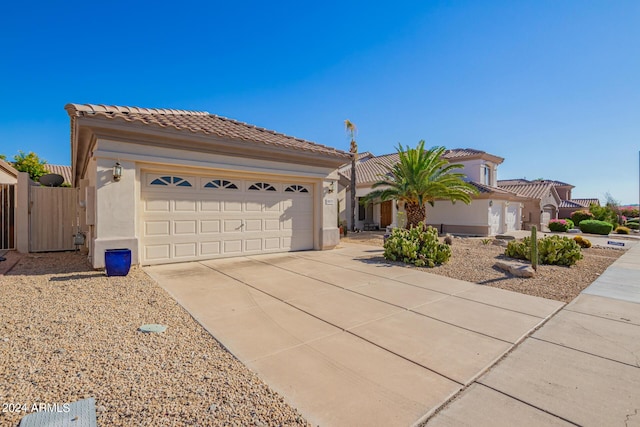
[(349, 341)]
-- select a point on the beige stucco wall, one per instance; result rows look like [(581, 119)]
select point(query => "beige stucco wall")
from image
[(115, 205), (6, 178), (459, 217)]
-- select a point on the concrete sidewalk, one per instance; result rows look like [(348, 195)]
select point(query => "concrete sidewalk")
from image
[(581, 368), (349, 341)]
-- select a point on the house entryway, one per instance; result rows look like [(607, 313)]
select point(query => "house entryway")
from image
[(386, 213)]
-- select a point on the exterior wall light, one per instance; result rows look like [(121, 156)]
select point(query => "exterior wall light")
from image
[(332, 187), (117, 172), (490, 203)]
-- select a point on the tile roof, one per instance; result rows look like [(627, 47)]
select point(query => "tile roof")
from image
[(467, 153), (534, 190), (487, 189), (8, 167), (518, 181), (586, 202), (200, 122), (569, 204), (65, 171)]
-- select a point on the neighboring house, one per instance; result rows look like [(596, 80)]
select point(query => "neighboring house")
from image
[(8, 175), (548, 199), (195, 186), (492, 211)]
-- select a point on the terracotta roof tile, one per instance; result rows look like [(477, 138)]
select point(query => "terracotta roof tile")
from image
[(200, 122), (569, 204), (586, 202), (534, 190), (65, 171)]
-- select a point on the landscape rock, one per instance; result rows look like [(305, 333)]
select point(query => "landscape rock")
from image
[(518, 269)]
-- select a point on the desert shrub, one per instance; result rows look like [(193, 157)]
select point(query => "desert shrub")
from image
[(560, 225), (582, 242), (570, 223), (623, 230), (632, 225), (418, 245), (604, 213), (556, 250), (518, 248), (579, 216), (594, 226)]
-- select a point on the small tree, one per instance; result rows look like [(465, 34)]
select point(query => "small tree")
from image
[(31, 164)]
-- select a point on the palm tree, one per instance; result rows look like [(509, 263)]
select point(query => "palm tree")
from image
[(353, 149), (421, 176)]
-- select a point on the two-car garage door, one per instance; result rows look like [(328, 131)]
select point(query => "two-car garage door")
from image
[(186, 217)]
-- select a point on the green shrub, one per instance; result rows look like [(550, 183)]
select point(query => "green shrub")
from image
[(633, 225), (582, 242), (519, 249), (623, 230), (560, 225), (570, 223), (604, 213), (579, 216), (555, 250), (418, 245), (594, 226)]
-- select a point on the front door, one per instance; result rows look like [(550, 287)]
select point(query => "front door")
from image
[(386, 213)]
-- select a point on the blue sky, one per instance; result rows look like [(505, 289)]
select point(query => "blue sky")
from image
[(551, 86)]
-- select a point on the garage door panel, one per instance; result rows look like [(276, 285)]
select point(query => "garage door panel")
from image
[(272, 207), (232, 225), (253, 225), (185, 250), (271, 224), (253, 206), (272, 243), (232, 206), (157, 228), (184, 227), (185, 206), (157, 252), (210, 206), (157, 205), (252, 245), (208, 226), (232, 246), (209, 248)]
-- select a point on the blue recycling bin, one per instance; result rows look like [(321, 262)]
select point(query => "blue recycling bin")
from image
[(117, 261)]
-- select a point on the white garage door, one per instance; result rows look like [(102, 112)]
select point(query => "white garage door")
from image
[(185, 218), (512, 217), (495, 219)]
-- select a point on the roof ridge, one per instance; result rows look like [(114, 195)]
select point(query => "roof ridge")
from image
[(102, 108)]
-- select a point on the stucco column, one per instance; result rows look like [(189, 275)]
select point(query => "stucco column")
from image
[(116, 210), (329, 209)]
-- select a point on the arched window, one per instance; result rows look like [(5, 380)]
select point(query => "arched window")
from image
[(262, 186), (173, 181)]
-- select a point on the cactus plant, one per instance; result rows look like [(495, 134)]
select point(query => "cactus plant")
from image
[(534, 248)]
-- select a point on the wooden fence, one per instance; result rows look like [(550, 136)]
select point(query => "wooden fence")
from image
[(52, 218)]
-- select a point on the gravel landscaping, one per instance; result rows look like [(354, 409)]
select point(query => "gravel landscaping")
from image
[(473, 260), (68, 332)]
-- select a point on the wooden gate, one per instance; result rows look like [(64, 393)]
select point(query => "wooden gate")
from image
[(52, 218), (7, 216)]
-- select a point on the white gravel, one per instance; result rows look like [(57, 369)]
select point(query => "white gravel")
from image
[(68, 332)]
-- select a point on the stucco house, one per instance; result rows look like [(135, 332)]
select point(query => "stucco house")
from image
[(176, 185), (547, 200), (492, 211)]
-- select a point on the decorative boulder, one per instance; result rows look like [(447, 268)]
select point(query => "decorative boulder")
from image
[(518, 269)]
